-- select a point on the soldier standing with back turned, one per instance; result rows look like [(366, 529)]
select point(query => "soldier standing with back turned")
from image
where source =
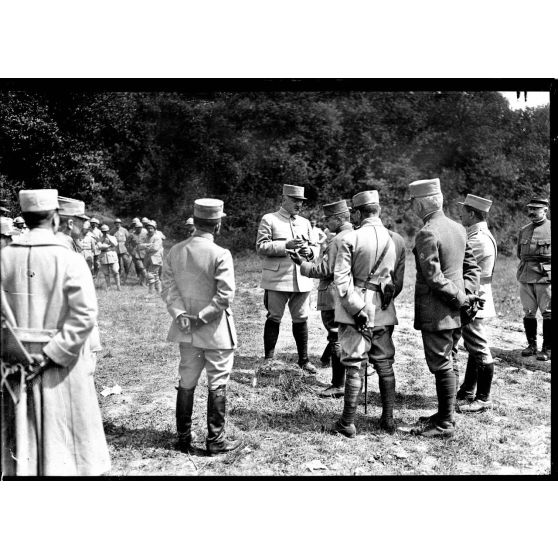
[(533, 274)]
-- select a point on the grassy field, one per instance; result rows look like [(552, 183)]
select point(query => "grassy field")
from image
[(279, 418)]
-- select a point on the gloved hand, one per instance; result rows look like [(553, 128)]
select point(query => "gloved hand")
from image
[(307, 253), (295, 256), (361, 320), (40, 363)]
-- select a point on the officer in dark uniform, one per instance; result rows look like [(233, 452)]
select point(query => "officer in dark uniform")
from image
[(447, 283), (533, 274)]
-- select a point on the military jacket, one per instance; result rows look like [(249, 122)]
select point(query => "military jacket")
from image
[(198, 279), (533, 250), (107, 245), (280, 273), (485, 250), (96, 234), (358, 252), (447, 272), (121, 236), (153, 247), (324, 270), (134, 241)]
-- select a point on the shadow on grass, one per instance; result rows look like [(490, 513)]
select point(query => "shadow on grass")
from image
[(513, 358)]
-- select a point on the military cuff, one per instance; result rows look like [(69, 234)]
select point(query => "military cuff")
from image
[(59, 355), (175, 312)]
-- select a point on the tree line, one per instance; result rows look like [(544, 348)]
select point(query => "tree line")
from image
[(132, 154)]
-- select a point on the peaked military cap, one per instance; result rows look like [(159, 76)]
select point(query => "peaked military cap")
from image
[(335, 208), (423, 188), (538, 202), (34, 201), (208, 208), (294, 191), (482, 204), (365, 198), (71, 207)]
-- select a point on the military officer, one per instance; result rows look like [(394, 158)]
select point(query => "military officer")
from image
[(480, 364), (137, 237), (87, 243), (72, 217), (60, 432), (278, 233), (124, 259), (198, 285), (153, 259), (368, 274), (337, 217), (108, 258), (534, 274), (96, 234), (447, 282)]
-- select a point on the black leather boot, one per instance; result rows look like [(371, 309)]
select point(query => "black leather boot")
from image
[(184, 406), (530, 325), (326, 355), (300, 334), (346, 424), (271, 334), (486, 373), (386, 381), (216, 440), (442, 424), (547, 331), (466, 393)]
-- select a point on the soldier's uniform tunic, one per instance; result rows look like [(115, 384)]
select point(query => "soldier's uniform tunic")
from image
[(124, 259)]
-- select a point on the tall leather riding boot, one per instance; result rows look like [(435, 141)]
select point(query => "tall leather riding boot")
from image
[(386, 382), (326, 355), (184, 406), (216, 441), (271, 334), (486, 373), (467, 389), (442, 424), (547, 330), (337, 372), (530, 325), (346, 424), (300, 334)]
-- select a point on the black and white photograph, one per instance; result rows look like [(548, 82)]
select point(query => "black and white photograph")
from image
[(276, 278)]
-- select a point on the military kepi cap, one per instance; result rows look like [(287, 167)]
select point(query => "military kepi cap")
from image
[(366, 198), (294, 191), (423, 188), (538, 202), (335, 208), (482, 204), (71, 207), (34, 201), (208, 208)]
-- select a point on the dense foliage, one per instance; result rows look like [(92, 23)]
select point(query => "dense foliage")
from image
[(149, 153)]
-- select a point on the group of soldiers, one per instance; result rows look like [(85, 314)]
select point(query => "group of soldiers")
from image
[(51, 422)]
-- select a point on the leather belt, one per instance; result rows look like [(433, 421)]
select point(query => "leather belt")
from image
[(366, 285)]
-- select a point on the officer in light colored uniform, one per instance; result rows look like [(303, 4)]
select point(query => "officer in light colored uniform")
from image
[(153, 260), (480, 364), (198, 282), (6, 230), (108, 257), (96, 234), (447, 283), (87, 243), (137, 237), (369, 259), (338, 217), (72, 219), (124, 259), (280, 232), (61, 430), (534, 276)]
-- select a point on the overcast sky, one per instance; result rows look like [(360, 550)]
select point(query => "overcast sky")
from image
[(534, 99)]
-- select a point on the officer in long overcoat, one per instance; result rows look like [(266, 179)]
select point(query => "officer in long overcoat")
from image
[(337, 217), (447, 283), (198, 288), (278, 233), (480, 364), (534, 276), (369, 271), (48, 297)]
